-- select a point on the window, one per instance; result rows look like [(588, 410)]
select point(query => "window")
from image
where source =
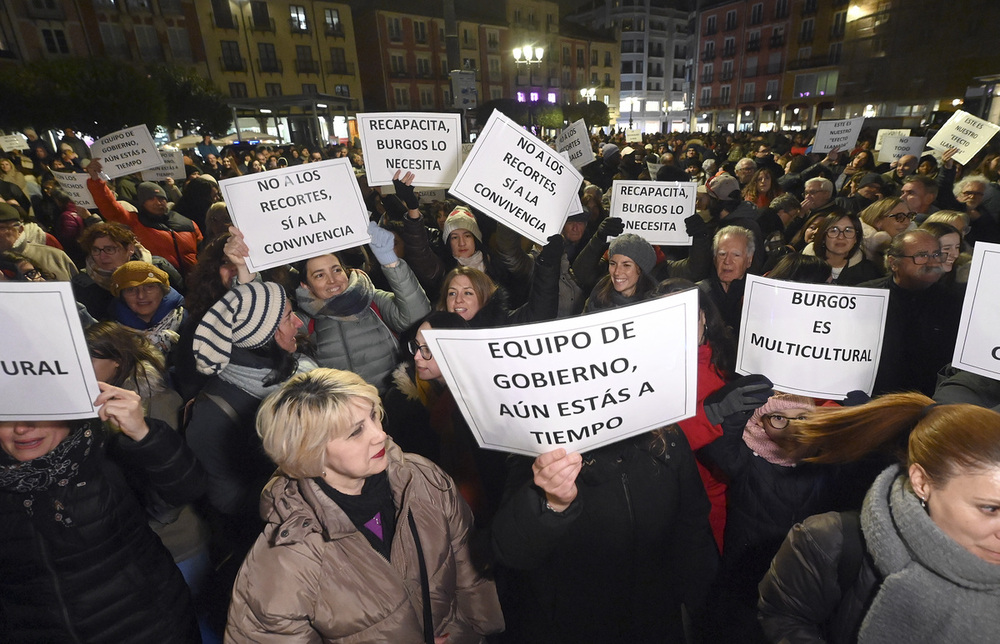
[(272, 89), (402, 96), (232, 61), (469, 64), (821, 84), (113, 37), (310, 89), (706, 95), (395, 29), (338, 60), (628, 46), (238, 90), (626, 85), (342, 90), (710, 50), (580, 60), (627, 67), (724, 94), (638, 85), (180, 43), (397, 64), (753, 40), (593, 58), (565, 55), (261, 16), (751, 66), (771, 91), (710, 27), (420, 31), (149, 43), (756, 14), (836, 52), (268, 59), (774, 63), (496, 93), (729, 47), (492, 41), (780, 9), (809, 8), (136, 6), (297, 19), (426, 98), (447, 97), (424, 67), (777, 37), (331, 20), (171, 7), (730, 20), (607, 59), (55, 41), (839, 24), (807, 31), (707, 75), (304, 63), (749, 89), (727, 71)]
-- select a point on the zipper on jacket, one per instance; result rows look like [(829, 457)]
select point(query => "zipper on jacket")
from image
[(58, 588), (628, 501)]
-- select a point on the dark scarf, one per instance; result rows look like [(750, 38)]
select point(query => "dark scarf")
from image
[(356, 298), (372, 512)]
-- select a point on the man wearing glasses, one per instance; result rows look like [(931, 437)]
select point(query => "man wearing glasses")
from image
[(922, 320), (983, 225)]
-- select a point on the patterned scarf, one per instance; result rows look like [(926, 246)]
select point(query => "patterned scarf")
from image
[(356, 298)]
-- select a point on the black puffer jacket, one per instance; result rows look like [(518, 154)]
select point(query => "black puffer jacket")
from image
[(102, 575), (542, 304)]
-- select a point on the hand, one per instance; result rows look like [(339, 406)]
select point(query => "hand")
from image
[(610, 227), (695, 225), (122, 409), (552, 252), (555, 473), (831, 156), (236, 251), (404, 189), (169, 181), (382, 244), (807, 204), (741, 396), (94, 169), (946, 158)]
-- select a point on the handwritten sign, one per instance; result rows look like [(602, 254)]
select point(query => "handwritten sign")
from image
[(633, 136), (895, 147), (45, 368), (654, 210), (427, 144), (13, 142), (966, 132), (297, 212), (575, 141), (74, 184), (126, 151), (884, 133), (579, 382), (837, 134), (520, 181), (978, 346), (172, 168), (818, 340)]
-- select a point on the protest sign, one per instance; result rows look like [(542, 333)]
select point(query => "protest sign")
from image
[(654, 210), (74, 184), (884, 133), (579, 382), (654, 168), (633, 136), (819, 340), (518, 180), (426, 144), (837, 134), (172, 168), (297, 212), (895, 147), (966, 132), (126, 151), (45, 368), (978, 346), (12, 142), (575, 141)]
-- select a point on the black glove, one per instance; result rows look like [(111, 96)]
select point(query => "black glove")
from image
[(406, 194), (552, 252), (855, 398), (610, 227), (695, 226), (741, 396), (393, 207)]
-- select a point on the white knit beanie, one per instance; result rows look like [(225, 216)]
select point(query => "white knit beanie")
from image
[(247, 316), (461, 217)]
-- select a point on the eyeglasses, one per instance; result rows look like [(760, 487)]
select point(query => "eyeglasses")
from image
[(815, 191), (922, 258), (778, 421), (902, 217), (97, 251), (972, 193), (34, 275), (425, 351), (834, 232)]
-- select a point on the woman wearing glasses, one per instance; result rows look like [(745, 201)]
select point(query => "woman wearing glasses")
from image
[(838, 243), (880, 222)]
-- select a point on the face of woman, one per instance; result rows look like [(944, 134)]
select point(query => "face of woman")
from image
[(27, 272), (462, 298), (462, 243), (811, 230), (25, 440), (105, 368), (143, 300), (325, 277), (950, 248), (841, 245), (859, 160), (966, 508), (427, 368), (109, 254), (287, 328), (892, 224), (624, 274), (769, 421), (764, 182), (359, 453), (6, 166), (227, 272)]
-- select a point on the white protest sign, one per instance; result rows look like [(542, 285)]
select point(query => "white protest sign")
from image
[(518, 180), (633, 136), (172, 168), (654, 168), (819, 340), (45, 368), (896, 147), (575, 141), (12, 142), (884, 133), (966, 132), (427, 144), (126, 151), (432, 194), (74, 184), (837, 134), (654, 210), (978, 346), (297, 212), (579, 382)]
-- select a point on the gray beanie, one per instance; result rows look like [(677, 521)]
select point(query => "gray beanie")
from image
[(247, 316), (635, 248)]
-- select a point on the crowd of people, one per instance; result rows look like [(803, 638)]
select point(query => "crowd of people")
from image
[(279, 457)]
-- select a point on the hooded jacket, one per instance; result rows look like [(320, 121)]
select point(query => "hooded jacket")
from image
[(313, 577)]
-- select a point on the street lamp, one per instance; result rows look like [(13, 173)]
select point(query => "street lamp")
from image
[(528, 55), (588, 93), (632, 102)]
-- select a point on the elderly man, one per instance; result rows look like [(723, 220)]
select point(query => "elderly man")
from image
[(983, 226), (922, 321), (920, 193), (45, 258), (732, 251), (744, 171), (894, 179)]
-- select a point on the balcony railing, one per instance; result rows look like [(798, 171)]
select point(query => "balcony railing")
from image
[(753, 45), (470, 43), (776, 41), (233, 64), (726, 76), (731, 25), (335, 30), (707, 78), (299, 26), (823, 60), (708, 54), (729, 52), (306, 66), (340, 67), (715, 101), (225, 20), (610, 84), (269, 66), (263, 24), (711, 30), (36, 12)]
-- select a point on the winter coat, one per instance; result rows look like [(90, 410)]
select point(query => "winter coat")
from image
[(313, 577), (858, 269), (617, 564), (522, 264), (364, 343), (79, 563), (542, 304)]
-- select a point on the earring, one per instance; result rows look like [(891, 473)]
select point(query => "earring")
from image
[(923, 502)]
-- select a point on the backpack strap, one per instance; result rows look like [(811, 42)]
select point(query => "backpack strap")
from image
[(425, 589)]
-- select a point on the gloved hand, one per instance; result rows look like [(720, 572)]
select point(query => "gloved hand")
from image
[(394, 207), (406, 194), (855, 398), (695, 226), (741, 396), (381, 244), (610, 227), (552, 252)]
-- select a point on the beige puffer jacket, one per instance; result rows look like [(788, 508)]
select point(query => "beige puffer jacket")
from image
[(313, 577)]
